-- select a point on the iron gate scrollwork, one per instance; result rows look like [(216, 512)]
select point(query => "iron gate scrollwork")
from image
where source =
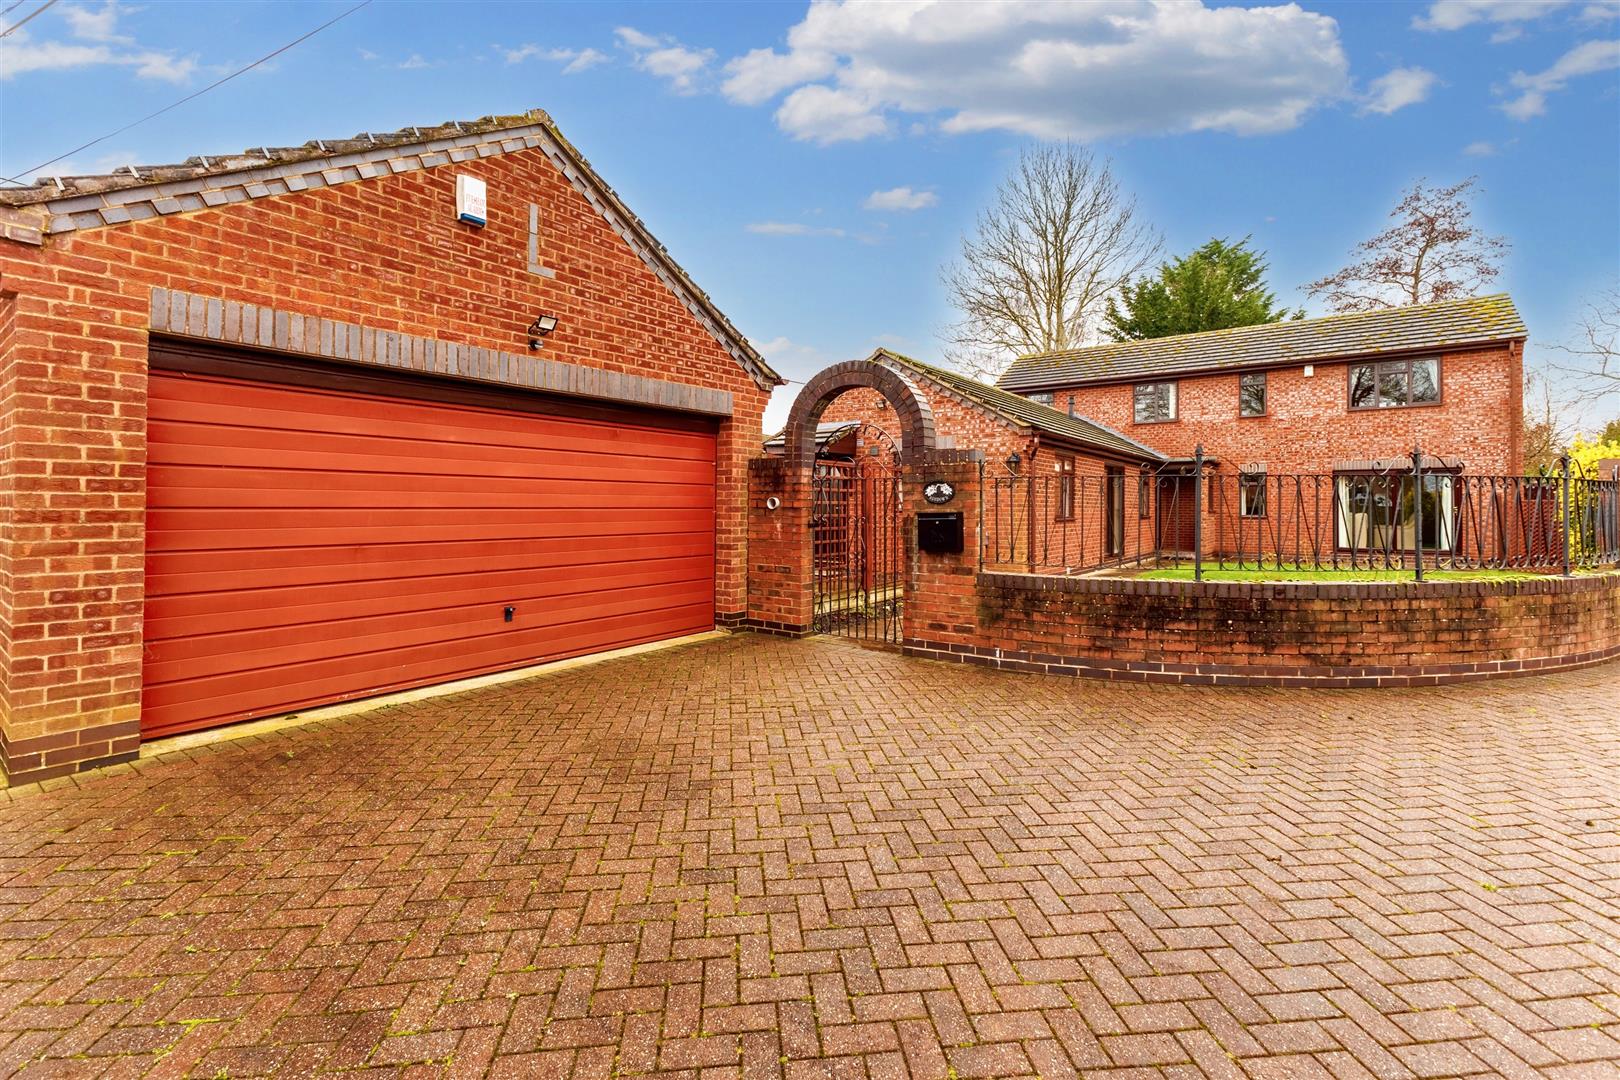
[(858, 543)]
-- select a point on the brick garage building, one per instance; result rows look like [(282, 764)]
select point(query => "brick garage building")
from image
[(273, 433), (1086, 501)]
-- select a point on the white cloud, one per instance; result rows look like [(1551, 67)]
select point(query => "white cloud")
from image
[(784, 355), (758, 76), (1110, 67), (678, 64), (19, 55), (1584, 59), (584, 60), (99, 25), (822, 114), (791, 228), (1480, 149), (415, 62), (900, 198), (631, 38), (1397, 89), (98, 43), (574, 61), (681, 67), (1456, 14), (156, 65)]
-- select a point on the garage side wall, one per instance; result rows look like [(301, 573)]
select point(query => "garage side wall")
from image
[(386, 254)]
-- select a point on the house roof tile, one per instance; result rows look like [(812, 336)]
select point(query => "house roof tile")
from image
[(32, 212), (1476, 320), (1024, 412)]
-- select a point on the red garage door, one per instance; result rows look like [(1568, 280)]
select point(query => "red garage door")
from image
[(307, 544)]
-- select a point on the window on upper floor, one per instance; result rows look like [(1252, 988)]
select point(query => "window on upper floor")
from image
[(1395, 384), (1252, 394), (1041, 397), (1154, 403)]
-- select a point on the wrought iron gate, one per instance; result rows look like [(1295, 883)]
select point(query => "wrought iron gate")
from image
[(858, 544)]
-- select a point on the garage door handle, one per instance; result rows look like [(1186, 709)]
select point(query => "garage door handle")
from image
[(509, 612)]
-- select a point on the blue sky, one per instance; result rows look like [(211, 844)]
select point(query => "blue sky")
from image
[(814, 166)]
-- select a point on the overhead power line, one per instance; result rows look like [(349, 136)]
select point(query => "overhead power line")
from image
[(189, 97), (26, 19)]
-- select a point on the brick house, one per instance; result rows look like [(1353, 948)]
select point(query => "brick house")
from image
[(1343, 398), (315, 423), (1091, 496)]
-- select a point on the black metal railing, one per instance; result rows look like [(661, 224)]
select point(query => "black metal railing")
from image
[(1408, 515), (1075, 523)]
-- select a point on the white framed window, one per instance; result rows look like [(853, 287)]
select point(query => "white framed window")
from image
[(1378, 511)]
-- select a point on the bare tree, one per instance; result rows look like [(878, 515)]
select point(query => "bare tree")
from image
[(1434, 251), (1594, 364), (1059, 240), (1546, 435)]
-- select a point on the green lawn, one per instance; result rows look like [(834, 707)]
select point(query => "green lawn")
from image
[(1185, 573)]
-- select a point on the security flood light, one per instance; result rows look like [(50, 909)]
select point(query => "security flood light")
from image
[(542, 325)]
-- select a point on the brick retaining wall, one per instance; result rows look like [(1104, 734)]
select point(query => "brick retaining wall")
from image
[(1297, 634)]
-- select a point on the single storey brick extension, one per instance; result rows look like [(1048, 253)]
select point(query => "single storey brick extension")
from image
[(1089, 461), (312, 423)]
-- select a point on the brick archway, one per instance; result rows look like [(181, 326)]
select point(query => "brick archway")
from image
[(910, 407)]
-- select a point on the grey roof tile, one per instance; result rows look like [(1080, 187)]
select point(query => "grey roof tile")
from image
[(77, 202), (1021, 410), (1476, 320)]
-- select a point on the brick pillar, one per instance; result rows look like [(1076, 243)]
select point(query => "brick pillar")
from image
[(941, 598), (737, 443), (72, 513), (779, 548)]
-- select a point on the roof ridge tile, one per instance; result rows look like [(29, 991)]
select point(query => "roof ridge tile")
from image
[(29, 213)]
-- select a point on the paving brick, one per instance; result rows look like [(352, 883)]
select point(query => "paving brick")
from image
[(763, 857)]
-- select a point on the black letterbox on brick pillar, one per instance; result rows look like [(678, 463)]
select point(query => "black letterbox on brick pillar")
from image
[(940, 534)]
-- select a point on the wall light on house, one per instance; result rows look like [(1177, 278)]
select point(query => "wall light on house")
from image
[(542, 325)]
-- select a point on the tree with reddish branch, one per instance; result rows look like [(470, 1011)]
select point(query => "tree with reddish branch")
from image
[(1434, 251)]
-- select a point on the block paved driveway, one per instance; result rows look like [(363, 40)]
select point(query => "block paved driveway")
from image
[(764, 857)]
